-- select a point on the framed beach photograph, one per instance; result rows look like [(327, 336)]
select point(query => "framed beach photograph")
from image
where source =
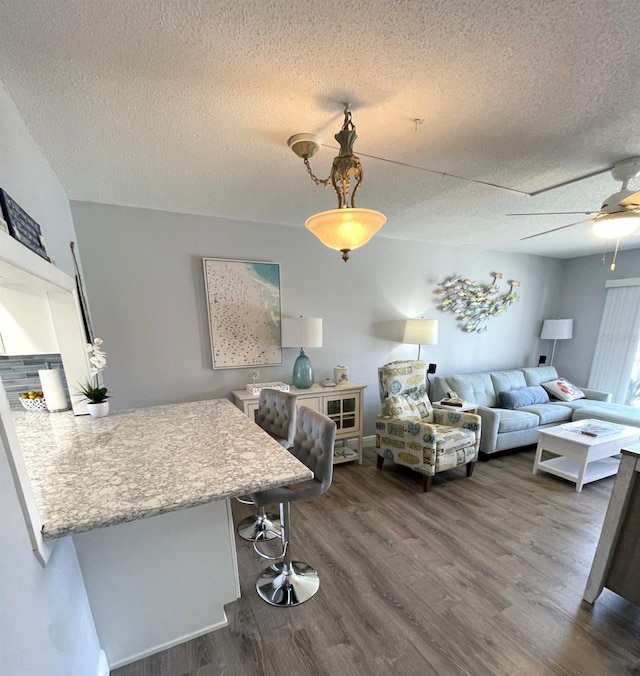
[(243, 304)]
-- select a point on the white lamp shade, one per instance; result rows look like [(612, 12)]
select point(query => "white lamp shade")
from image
[(557, 329), (302, 332), (421, 332)]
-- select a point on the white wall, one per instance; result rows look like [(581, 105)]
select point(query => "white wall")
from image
[(143, 272), (45, 622)]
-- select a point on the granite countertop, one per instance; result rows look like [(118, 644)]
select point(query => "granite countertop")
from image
[(89, 473)]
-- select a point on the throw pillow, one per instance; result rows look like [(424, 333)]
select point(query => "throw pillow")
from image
[(562, 389), (523, 396)]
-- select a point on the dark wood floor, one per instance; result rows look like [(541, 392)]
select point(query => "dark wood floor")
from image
[(480, 576)]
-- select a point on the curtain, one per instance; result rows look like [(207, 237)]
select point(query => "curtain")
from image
[(615, 357)]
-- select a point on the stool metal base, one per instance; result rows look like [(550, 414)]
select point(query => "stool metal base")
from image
[(286, 586), (265, 525)]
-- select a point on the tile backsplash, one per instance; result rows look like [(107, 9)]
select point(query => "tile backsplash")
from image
[(19, 373)]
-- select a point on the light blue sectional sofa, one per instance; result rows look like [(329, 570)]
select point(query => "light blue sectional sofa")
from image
[(506, 428)]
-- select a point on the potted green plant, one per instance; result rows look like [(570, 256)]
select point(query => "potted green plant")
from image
[(95, 393)]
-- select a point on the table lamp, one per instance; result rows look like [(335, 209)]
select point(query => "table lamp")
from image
[(302, 332), (556, 329)]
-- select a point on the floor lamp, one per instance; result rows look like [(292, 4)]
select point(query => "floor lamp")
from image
[(420, 332), (556, 329)]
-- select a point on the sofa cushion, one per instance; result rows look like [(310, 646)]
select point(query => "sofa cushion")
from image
[(504, 381), (575, 404), (524, 396), (550, 413), (562, 389), (514, 421), (475, 387), (536, 375), (615, 413)]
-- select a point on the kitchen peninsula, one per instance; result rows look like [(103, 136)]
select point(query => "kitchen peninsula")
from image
[(151, 582)]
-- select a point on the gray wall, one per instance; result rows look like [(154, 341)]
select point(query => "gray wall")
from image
[(582, 296), (143, 272)]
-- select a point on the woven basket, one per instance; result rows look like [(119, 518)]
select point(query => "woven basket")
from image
[(34, 404)]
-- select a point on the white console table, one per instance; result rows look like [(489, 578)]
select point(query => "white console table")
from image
[(342, 403)]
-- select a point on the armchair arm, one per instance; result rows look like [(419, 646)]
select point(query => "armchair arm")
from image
[(462, 419), (469, 421)]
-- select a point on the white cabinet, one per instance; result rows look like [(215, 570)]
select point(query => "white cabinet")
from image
[(343, 404)]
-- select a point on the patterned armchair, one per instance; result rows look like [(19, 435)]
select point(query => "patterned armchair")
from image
[(411, 432)]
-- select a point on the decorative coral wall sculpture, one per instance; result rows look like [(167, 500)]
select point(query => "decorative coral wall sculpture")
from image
[(473, 304)]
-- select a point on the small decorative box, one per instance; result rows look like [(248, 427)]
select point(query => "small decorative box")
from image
[(254, 388)]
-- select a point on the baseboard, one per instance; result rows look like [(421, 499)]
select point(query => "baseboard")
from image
[(169, 644), (103, 665)]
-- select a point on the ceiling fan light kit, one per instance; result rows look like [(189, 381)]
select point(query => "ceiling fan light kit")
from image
[(347, 227), (619, 215), (614, 226)]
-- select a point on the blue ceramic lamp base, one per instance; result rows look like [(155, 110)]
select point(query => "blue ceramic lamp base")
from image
[(302, 372)]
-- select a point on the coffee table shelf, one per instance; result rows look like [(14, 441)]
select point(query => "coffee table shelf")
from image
[(569, 468)]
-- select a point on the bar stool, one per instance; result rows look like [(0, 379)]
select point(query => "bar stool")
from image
[(287, 582), (276, 415)]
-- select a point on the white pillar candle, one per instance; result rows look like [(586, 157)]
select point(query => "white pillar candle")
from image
[(52, 390)]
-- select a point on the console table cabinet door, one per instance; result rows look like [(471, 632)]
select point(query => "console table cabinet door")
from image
[(343, 404)]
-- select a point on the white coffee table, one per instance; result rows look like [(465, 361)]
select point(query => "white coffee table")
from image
[(581, 458)]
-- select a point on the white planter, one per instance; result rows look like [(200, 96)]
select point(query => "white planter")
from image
[(98, 410)]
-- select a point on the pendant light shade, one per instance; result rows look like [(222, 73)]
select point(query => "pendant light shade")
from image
[(345, 229)]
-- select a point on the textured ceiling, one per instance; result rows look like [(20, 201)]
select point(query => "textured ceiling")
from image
[(187, 105)]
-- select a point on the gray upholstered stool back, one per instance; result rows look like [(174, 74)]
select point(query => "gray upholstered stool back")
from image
[(276, 415), (313, 445)]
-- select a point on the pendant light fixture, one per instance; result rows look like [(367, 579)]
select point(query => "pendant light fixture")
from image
[(347, 227)]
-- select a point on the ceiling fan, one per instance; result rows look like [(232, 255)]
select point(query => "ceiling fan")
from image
[(619, 215)]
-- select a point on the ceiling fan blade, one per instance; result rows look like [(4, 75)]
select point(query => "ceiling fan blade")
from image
[(555, 213), (631, 200), (562, 227)]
